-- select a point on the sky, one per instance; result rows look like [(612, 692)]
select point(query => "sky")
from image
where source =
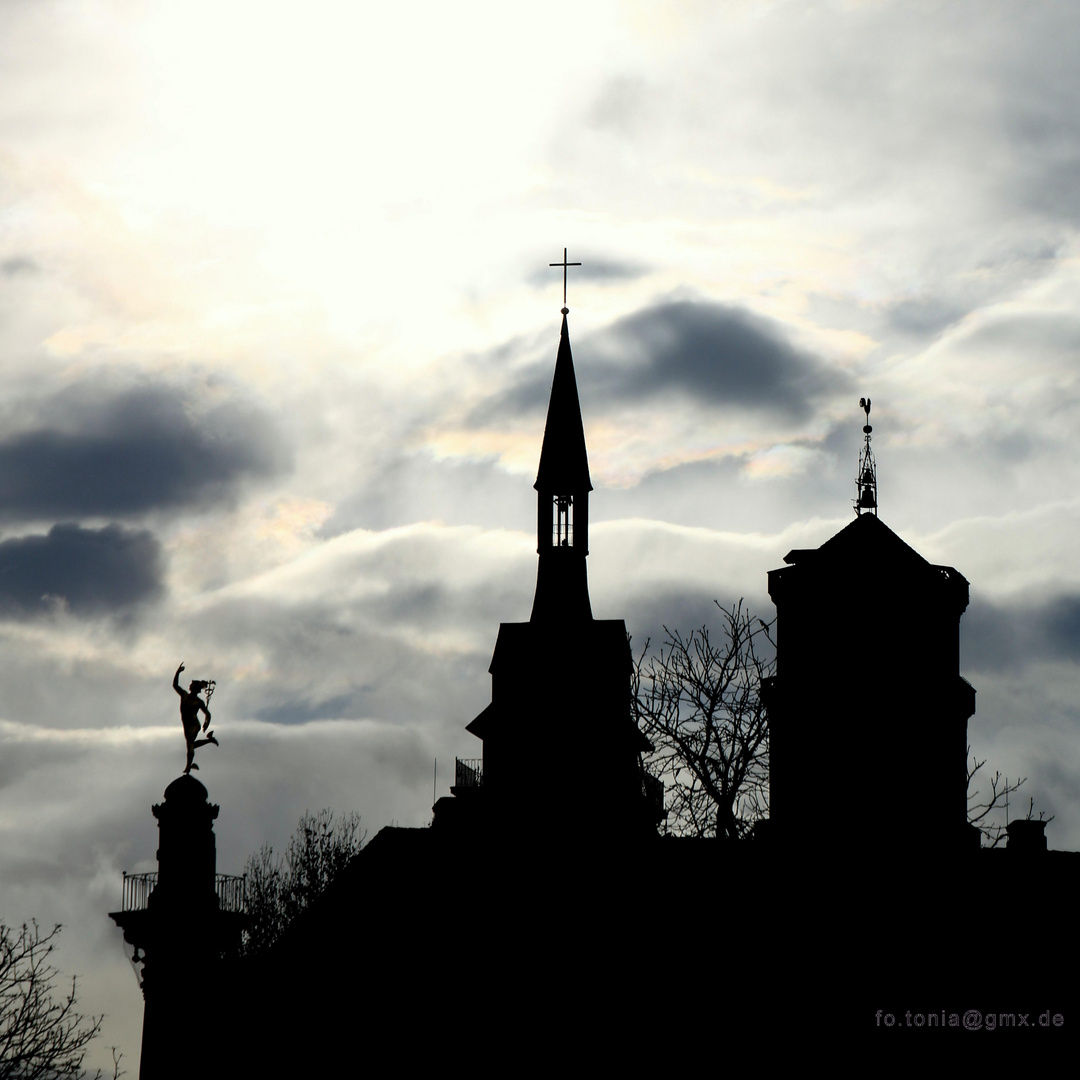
[(277, 328)]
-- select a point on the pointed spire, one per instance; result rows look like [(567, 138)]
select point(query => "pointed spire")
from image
[(564, 462)]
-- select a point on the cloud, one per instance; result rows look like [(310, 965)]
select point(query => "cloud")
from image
[(302, 711), (93, 452), (89, 571), (1012, 635), (620, 105), (712, 354), (723, 355), (402, 488), (18, 264), (388, 625), (923, 315), (591, 269)]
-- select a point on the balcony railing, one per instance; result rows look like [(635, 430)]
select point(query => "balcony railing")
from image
[(137, 889), (231, 891), (468, 772)]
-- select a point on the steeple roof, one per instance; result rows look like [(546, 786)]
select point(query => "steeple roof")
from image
[(564, 463)]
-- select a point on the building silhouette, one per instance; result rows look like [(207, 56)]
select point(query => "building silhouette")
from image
[(542, 920), (561, 665), (868, 689), (181, 920)]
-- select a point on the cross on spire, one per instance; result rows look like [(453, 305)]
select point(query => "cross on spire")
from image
[(564, 264)]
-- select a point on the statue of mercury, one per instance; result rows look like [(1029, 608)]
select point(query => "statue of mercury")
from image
[(190, 704)]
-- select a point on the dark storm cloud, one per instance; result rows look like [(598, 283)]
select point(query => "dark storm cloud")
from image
[(151, 447), (90, 571), (702, 352), (722, 355), (1060, 624), (1004, 637)]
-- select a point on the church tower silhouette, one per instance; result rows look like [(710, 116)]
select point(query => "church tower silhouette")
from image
[(868, 704), (560, 744), (562, 502)]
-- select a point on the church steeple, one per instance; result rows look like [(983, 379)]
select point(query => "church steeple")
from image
[(564, 463), (562, 651), (562, 507)]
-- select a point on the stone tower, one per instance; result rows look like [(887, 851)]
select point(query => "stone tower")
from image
[(868, 710), (182, 921)]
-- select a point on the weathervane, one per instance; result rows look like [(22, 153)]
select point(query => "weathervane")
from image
[(564, 264), (866, 484)]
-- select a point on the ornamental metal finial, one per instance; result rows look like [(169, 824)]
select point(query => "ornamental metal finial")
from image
[(866, 482)]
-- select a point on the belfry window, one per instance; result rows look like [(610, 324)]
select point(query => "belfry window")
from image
[(562, 531)]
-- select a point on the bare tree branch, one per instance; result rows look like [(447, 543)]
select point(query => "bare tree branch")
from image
[(42, 1037), (985, 814), (699, 703)]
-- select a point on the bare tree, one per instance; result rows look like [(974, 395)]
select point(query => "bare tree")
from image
[(699, 703), (984, 814), (279, 888), (41, 1035)]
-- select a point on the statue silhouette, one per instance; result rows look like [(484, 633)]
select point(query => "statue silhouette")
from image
[(190, 704)]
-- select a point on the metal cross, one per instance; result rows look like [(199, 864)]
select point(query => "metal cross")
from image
[(564, 264)]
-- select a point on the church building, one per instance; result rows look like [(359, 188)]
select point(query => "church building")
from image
[(562, 675)]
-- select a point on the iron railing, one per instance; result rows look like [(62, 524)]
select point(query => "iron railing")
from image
[(137, 890), (231, 890), (468, 772)]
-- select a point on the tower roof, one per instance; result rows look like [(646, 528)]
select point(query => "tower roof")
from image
[(564, 463), (869, 556)]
